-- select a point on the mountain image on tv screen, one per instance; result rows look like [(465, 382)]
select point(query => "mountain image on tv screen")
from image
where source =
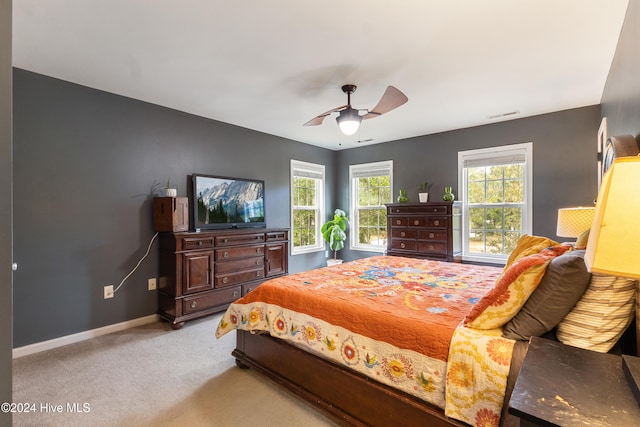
[(229, 201)]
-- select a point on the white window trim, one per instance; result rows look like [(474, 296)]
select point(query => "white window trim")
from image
[(367, 168), (525, 148), (312, 169)]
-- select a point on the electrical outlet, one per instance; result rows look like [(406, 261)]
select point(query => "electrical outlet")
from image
[(108, 292), (152, 284), (326, 254)]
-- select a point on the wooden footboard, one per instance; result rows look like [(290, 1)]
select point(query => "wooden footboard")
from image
[(346, 396)]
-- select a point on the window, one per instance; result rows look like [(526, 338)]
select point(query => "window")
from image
[(496, 190), (307, 206), (370, 189)]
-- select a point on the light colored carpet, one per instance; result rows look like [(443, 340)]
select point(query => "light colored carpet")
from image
[(153, 376)]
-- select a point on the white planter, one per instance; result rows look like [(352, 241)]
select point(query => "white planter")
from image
[(170, 192), (332, 261), (423, 197)]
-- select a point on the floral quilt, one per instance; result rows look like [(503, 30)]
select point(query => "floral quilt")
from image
[(390, 318)]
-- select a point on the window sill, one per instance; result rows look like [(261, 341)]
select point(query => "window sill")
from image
[(484, 260)]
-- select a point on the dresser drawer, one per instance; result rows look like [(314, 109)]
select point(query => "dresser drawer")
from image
[(277, 236), (402, 221), (239, 265), (421, 208), (438, 221), (416, 221), (439, 248), (240, 239), (235, 253), (405, 245), (189, 243), (249, 287), (432, 235), (435, 210), (210, 299), (229, 279), (405, 233)]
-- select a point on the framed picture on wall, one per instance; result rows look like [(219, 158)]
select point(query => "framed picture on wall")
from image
[(602, 139)]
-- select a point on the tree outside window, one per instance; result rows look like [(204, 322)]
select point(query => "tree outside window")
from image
[(496, 189), (307, 206), (371, 189)]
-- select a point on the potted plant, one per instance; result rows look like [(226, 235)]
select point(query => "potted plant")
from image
[(170, 191), (334, 232), (423, 194)]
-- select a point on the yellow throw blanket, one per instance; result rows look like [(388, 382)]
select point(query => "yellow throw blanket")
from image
[(477, 372)]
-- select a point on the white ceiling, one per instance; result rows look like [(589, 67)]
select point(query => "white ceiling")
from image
[(272, 65)]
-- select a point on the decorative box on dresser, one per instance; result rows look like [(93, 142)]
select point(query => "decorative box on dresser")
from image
[(425, 230), (203, 272)]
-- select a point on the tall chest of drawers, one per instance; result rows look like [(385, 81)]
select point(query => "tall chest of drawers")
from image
[(203, 272), (425, 230)]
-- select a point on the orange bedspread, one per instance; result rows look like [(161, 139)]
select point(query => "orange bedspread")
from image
[(410, 303)]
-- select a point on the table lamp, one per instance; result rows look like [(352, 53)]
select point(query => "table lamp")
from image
[(572, 222), (614, 240)]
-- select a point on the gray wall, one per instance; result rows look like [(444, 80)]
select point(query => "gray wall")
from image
[(85, 159), (5, 209), (564, 161), (84, 163), (621, 97)]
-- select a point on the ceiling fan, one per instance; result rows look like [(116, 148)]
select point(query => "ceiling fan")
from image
[(349, 118)]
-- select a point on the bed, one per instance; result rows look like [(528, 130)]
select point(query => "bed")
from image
[(383, 339)]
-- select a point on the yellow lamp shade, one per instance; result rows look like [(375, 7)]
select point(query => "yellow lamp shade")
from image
[(614, 240)]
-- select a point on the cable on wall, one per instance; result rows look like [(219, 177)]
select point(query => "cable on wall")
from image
[(138, 264)]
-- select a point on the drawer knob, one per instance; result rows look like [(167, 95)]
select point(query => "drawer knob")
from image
[(225, 254), (402, 234), (402, 245), (225, 240), (258, 250), (398, 222), (416, 222), (199, 243), (430, 247), (235, 294), (258, 262), (397, 210), (436, 222), (225, 280), (431, 235), (194, 304), (258, 273)]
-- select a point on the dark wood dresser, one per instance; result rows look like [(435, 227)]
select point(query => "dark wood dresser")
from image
[(425, 230), (201, 273)]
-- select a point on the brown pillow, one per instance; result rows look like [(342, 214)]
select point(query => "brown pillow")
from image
[(562, 286)]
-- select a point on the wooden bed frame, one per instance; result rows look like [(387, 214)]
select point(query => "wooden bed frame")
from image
[(346, 396)]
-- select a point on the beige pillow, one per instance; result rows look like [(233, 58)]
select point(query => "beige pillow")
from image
[(601, 315), (583, 239)]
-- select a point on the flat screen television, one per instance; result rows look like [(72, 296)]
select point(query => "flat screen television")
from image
[(225, 202)]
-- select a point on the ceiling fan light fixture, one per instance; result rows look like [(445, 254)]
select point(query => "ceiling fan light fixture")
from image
[(349, 121)]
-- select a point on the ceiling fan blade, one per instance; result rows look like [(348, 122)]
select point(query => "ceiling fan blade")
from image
[(391, 99), (319, 119)]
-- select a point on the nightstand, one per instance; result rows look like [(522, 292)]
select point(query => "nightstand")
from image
[(560, 385)]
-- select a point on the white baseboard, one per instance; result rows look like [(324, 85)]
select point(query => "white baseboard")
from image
[(81, 336)]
